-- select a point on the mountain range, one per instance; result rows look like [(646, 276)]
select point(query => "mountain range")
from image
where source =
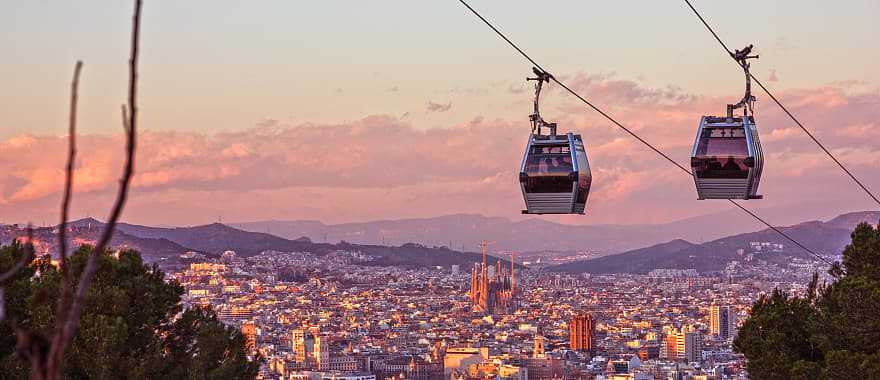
[(165, 245), (216, 238), (466, 231), (828, 239), (88, 231)]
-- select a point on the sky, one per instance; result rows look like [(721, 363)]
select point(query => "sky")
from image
[(345, 111)]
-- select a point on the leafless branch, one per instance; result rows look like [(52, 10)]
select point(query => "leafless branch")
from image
[(71, 158), (63, 338), (64, 297)]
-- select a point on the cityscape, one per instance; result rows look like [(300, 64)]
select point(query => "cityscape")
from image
[(334, 319), (440, 190)]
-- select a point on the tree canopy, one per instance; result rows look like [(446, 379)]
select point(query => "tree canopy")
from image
[(830, 333), (133, 324)]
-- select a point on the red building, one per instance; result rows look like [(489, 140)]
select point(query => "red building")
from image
[(582, 330)]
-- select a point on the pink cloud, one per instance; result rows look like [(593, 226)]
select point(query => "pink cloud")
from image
[(385, 167)]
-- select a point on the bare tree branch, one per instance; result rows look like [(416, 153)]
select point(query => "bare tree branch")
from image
[(71, 158), (63, 338), (64, 296)]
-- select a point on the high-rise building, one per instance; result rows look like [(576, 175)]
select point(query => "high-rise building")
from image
[(667, 348), (683, 345), (722, 321), (691, 350), (582, 330)]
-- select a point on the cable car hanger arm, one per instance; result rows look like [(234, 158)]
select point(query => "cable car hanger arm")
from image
[(536, 119), (748, 101)]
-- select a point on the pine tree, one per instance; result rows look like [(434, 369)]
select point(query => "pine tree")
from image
[(131, 327), (831, 332)]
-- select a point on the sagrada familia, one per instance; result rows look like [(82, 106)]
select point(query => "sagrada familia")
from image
[(495, 293)]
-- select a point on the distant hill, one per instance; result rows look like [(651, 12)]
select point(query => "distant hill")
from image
[(165, 245), (88, 231), (851, 220), (465, 231), (827, 238), (216, 238), (635, 261)]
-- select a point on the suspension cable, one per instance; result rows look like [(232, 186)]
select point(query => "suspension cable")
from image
[(785, 109), (633, 134), (779, 231)]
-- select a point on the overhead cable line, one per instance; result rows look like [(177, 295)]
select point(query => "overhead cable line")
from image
[(633, 134), (779, 231), (787, 112)]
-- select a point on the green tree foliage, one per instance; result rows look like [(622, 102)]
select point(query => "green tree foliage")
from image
[(132, 326), (830, 333)]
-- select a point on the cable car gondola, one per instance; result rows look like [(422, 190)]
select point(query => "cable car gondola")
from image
[(555, 173), (727, 159)]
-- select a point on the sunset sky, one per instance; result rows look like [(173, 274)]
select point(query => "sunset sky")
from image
[(347, 111)]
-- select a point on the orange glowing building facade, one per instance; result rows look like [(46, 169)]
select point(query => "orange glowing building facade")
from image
[(249, 330), (582, 330), (496, 293)]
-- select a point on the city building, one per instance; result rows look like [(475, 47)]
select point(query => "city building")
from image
[(458, 360), (496, 292), (331, 375), (582, 330), (684, 345), (538, 352), (249, 330), (322, 353), (302, 342), (722, 321)]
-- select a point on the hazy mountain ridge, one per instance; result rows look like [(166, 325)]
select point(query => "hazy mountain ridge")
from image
[(165, 245), (465, 231), (216, 238), (160, 244), (826, 238), (88, 231)]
